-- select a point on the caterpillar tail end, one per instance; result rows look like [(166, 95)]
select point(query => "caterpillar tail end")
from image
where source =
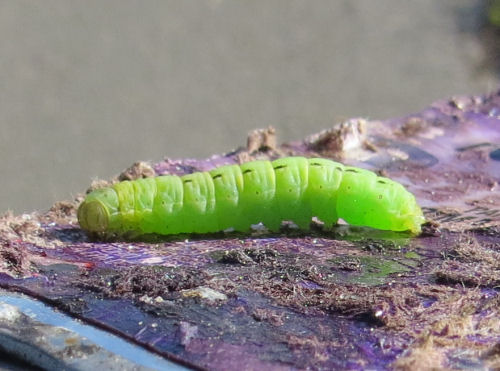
[(93, 216), (416, 227), (415, 220)]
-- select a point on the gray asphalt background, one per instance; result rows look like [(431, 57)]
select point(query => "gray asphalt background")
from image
[(88, 87)]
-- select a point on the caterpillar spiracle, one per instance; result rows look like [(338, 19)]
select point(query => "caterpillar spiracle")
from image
[(292, 189)]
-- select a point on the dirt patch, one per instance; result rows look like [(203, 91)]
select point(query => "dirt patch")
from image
[(135, 282)]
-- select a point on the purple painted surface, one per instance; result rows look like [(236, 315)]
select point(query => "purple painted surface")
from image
[(346, 297)]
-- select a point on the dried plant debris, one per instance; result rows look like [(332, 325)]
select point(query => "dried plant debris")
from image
[(138, 170), (62, 212), (459, 336), (344, 137), (413, 126), (471, 264), (99, 183), (13, 260), (262, 140)]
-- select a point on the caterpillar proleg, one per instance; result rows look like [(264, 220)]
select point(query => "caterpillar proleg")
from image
[(293, 189)]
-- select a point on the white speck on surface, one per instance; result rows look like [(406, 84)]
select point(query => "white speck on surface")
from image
[(152, 260), (9, 313)]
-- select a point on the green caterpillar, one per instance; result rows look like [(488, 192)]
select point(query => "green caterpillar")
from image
[(293, 189)]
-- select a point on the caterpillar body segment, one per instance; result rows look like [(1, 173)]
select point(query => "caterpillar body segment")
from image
[(293, 188)]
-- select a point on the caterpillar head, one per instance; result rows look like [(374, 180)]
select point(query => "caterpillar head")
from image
[(95, 212)]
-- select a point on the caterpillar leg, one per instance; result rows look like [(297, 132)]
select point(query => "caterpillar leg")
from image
[(303, 223), (273, 226)]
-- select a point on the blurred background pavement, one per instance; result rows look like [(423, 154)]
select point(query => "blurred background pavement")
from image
[(89, 87)]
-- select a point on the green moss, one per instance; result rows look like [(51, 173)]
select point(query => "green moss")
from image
[(371, 270), (412, 255), (375, 270)]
